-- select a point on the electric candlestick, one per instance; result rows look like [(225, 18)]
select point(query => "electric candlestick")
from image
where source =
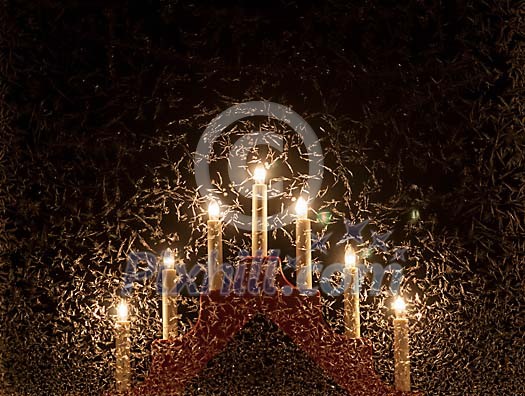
[(351, 295), (401, 347), (169, 300), (259, 212), (303, 250), (214, 246), (122, 349)]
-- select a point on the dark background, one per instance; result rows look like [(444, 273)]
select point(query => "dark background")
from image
[(418, 105)]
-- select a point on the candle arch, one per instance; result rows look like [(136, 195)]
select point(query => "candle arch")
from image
[(293, 308)]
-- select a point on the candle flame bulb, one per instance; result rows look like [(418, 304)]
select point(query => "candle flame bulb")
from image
[(301, 208), (350, 257), (168, 259), (122, 311), (259, 175), (214, 210), (399, 306)]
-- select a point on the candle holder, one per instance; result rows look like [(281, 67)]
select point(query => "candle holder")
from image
[(258, 287)]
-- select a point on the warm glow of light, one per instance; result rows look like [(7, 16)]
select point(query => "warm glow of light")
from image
[(168, 258), (214, 210), (259, 175), (301, 207), (399, 306), (122, 311), (350, 256)]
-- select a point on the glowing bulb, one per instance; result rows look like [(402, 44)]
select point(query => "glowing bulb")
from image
[(350, 256), (324, 217), (168, 258), (259, 175), (414, 215), (122, 311), (301, 207), (214, 210), (399, 306)]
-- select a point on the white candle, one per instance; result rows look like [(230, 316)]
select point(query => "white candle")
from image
[(122, 348), (214, 246), (169, 299), (259, 212), (303, 246), (401, 347), (351, 295)]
